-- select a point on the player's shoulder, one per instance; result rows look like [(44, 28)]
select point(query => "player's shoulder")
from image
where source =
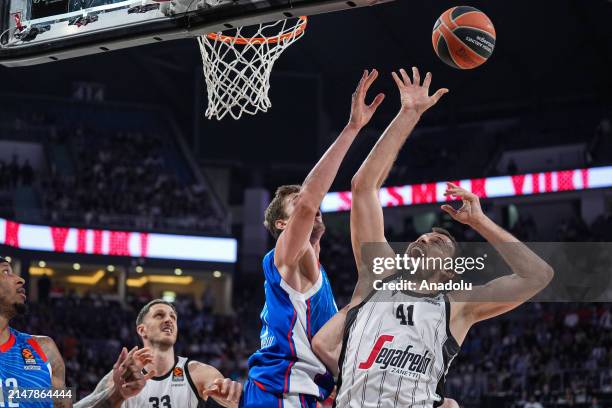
[(46, 342)]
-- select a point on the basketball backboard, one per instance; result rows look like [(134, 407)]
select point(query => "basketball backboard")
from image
[(41, 31)]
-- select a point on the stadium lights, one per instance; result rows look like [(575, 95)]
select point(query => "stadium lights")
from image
[(34, 271), (165, 279), (217, 274), (42, 264), (86, 280)]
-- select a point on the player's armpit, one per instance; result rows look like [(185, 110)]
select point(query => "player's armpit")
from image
[(211, 385), (58, 380), (327, 343)]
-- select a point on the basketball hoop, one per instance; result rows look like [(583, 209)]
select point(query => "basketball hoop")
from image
[(237, 67)]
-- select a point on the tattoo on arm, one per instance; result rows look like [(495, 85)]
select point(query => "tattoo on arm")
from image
[(58, 379), (100, 398)]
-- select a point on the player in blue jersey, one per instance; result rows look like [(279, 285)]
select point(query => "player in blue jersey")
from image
[(285, 372), (26, 362), (29, 363)]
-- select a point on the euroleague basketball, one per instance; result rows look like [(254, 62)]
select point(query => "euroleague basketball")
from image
[(464, 37)]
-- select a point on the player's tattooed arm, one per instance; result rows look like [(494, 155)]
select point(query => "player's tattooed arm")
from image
[(295, 239), (530, 275), (124, 381), (101, 397), (211, 384), (58, 380)]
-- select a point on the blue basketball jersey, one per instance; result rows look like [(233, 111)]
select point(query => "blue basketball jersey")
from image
[(285, 363), (23, 365)]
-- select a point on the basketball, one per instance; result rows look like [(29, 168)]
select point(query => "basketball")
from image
[(464, 37)]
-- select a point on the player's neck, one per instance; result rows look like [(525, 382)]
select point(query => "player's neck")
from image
[(163, 360), (4, 330)]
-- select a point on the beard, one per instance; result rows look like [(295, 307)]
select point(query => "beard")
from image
[(14, 310), (21, 309)]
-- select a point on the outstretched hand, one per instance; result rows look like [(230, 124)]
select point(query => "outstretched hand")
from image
[(128, 377), (414, 96), (361, 112), (470, 212), (224, 391)]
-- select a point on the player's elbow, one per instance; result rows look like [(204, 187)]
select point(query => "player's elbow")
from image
[(325, 354), (318, 346), (306, 205), (360, 184), (547, 274)]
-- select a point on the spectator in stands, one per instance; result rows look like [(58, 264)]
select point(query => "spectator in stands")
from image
[(27, 173), (123, 181)]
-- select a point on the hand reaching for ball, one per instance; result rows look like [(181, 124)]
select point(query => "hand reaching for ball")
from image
[(415, 97)]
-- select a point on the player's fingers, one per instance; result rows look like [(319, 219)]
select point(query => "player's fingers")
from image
[(238, 391), (370, 79), (211, 390), (121, 358), (377, 101), (360, 83), (439, 94), (231, 390), (398, 81), (133, 385), (416, 76), (427, 80), (142, 351), (225, 386), (405, 77), (118, 373), (132, 352), (448, 209), (142, 354)]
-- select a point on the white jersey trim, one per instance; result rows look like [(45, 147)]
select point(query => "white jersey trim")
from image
[(299, 295)]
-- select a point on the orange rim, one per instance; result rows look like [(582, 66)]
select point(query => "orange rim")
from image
[(262, 40)]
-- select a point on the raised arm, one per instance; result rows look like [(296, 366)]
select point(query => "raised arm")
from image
[(124, 381), (366, 214), (367, 223), (212, 385), (530, 275), (295, 238)]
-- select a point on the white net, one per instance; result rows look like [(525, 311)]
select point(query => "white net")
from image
[(237, 67)]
